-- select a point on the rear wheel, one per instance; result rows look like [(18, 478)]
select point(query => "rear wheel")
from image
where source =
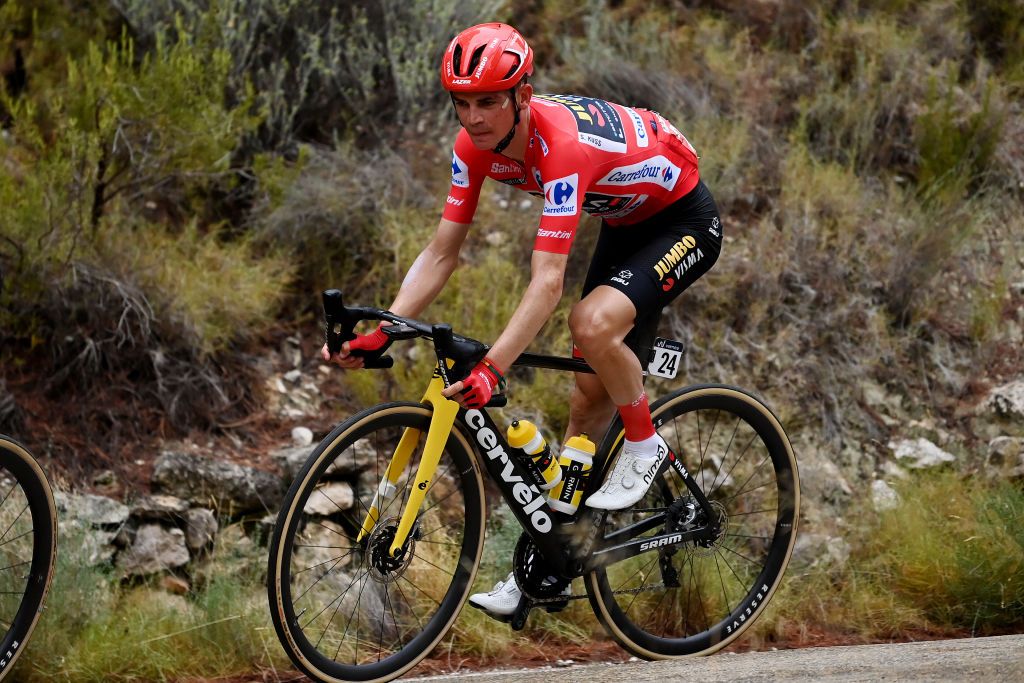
[(28, 547), (344, 609), (696, 597)]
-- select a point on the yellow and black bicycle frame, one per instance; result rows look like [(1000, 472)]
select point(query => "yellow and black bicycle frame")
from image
[(442, 419)]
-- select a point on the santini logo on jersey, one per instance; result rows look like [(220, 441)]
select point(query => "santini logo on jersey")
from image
[(500, 167), (657, 170), (460, 172), (560, 196)]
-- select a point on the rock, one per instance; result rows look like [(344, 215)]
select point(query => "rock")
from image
[(95, 510), (1003, 451), (328, 499), (324, 544), (201, 528), (175, 585), (155, 549), (104, 478), (1002, 412), (893, 471), (823, 480), (159, 507), (920, 453), (88, 546), (302, 436), (1008, 400), (817, 550), (291, 459), (883, 496), (362, 455), (293, 376), (227, 487)]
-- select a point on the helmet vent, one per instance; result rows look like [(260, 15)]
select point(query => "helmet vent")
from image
[(515, 67), (474, 60)]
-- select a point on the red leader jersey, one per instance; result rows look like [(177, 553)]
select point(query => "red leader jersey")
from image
[(619, 163)]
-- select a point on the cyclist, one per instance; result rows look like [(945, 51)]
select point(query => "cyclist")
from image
[(660, 231)]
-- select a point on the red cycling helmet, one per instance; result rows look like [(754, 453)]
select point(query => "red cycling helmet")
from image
[(486, 58)]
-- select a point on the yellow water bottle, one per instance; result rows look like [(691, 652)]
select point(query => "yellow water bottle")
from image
[(576, 461), (525, 438)]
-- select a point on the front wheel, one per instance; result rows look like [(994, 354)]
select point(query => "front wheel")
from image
[(343, 607), (695, 598), (28, 547)]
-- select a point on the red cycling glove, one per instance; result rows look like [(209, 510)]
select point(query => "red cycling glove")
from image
[(369, 344), (479, 386)]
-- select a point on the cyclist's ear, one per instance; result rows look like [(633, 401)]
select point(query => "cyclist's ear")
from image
[(523, 94)]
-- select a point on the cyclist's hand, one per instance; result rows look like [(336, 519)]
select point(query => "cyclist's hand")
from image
[(476, 390), (375, 342)]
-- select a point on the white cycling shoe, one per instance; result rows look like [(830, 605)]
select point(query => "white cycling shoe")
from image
[(633, 474), (503, 599)]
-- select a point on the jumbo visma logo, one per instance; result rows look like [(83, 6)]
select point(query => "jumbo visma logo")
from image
[(560, 196)]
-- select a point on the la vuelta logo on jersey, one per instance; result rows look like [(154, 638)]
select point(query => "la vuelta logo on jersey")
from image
[(460, 171), (560, 196)]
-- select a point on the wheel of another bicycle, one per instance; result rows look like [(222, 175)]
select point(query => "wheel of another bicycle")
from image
[(28, 547), (344, 609), (696, 598)]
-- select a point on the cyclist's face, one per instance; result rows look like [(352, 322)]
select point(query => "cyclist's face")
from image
[(486, 116)]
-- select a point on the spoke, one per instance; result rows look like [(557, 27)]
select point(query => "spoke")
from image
[(15, 538), (739, 459), (348, 623), (628, 579), (725, 456), (752, 512), (328, 605), (759, 486), (350, 548), (441, 569), (642, 583), (434, 531), (8, 529), (706, 448), (14, 566), (333, 531), (763, 538), (336, 560), (454, 545), (322, 578), (412, 610), (721, 580), (739, 554), (742, 488), (431, 597)]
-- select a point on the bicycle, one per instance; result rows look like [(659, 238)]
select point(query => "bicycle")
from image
[(363, 589), (28, 547)]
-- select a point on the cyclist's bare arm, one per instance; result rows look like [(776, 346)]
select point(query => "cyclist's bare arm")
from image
[(538, 303), (424, 281)]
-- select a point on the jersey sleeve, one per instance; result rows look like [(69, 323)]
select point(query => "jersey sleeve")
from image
[(565, 181), (467, 179)]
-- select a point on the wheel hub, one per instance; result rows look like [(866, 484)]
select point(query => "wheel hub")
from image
[(383, 567)]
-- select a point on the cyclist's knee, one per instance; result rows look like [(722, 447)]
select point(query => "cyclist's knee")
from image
[(594, 327)]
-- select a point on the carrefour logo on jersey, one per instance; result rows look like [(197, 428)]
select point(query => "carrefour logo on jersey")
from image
[(657, 170), (460, 172), (560, 196), (638, 125)]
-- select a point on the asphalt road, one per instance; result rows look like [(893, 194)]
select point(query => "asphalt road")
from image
[(971, 659)]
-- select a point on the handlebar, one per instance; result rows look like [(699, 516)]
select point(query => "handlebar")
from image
[(464, 352)]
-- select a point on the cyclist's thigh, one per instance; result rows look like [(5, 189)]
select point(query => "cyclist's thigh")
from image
[(653, 262)]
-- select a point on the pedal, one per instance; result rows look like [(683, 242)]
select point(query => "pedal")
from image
[(518, 620)]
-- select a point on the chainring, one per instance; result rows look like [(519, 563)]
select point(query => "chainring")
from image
[(533, 575)]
